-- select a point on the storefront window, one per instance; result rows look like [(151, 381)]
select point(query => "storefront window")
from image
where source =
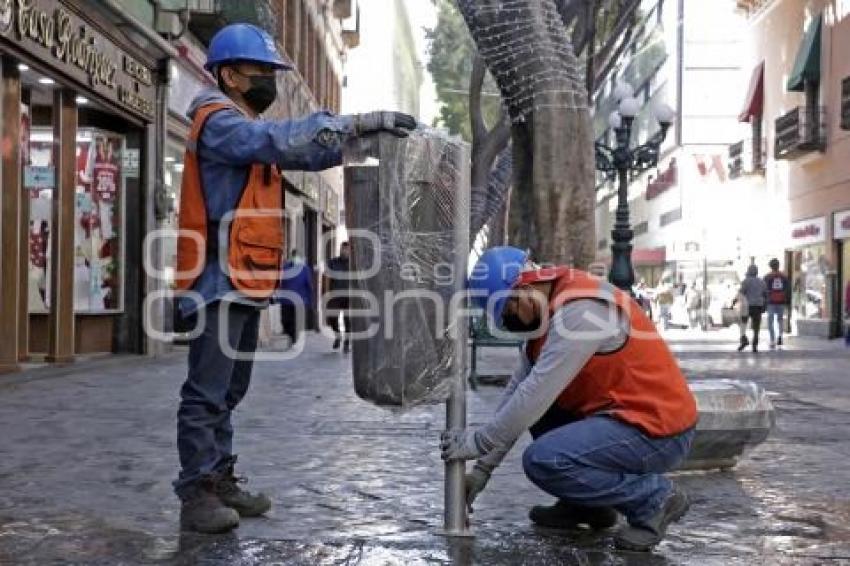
[(811, 266), (99, 220), (39, 181)]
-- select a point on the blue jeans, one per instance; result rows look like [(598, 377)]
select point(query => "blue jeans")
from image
[(774, 312), (602, 462), (215, 385)]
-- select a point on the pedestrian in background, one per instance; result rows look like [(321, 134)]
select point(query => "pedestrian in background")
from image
[(753, 294), (847, 313), (778, 295), (665, 300), (693, 301), (335, 281), (298, 279)]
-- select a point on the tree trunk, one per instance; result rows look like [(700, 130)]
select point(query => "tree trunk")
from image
[(527, 49)]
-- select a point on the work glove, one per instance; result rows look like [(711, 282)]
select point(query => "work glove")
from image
[(474, 483), (466, 444), (396, 123)]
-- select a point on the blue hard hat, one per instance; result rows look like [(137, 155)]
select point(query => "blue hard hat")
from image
[(244, 42), (497, 270)]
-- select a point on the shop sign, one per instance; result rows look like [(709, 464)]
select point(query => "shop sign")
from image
[(130, 162), (841, 225), (55, 35), (807, 232), (39, 177)]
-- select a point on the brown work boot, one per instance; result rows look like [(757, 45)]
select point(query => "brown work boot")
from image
[(203, 512), (644, 536), (244, 502), (563, 515)]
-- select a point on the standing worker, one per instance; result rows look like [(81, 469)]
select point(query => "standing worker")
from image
[(602, 395), (754, 296), (229, 251), (778, 295), (336, 283)]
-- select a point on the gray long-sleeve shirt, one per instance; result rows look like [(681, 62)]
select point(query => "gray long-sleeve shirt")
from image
[(576, 332), (754, 291)]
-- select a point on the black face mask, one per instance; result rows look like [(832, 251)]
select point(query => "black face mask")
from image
[(262, 93), (512, 323)]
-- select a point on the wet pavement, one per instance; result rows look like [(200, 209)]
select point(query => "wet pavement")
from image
[(88, 455)]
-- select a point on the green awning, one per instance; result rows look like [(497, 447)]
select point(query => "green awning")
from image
[(807, 64)]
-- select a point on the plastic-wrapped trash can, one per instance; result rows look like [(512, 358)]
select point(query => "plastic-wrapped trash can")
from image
[(408, 219), (734, 416)]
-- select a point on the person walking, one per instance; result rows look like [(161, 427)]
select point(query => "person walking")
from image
[(335, 287), (229, 251), (778, 296), (753, 295), (602, 395), (297, 281), (847, 314), (665, 300), (693, 300)]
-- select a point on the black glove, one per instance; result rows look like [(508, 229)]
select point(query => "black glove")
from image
[(396, 123)]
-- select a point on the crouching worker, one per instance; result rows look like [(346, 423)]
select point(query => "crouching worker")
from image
[(229, 251), (605, 401)]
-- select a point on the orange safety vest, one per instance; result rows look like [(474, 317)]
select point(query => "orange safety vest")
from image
[(255, 242), (640, 384)]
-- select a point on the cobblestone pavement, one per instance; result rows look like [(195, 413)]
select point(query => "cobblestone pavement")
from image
[(89, 454)]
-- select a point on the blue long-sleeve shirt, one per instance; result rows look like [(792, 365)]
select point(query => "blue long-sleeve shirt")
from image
[(297, 278), (230, 143)]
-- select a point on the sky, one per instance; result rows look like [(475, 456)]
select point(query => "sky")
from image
[(423, 14), (369, 66)]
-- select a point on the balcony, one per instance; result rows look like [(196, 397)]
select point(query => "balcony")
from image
[(845, 104), (801, 131), (351, 35), (342, 9), (209, 16), (744, 159)]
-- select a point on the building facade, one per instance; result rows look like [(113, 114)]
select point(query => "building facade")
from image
[(799, 99), (93, 100), (695, 220), (81, 138)]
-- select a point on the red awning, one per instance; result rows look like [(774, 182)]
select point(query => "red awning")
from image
[(642, 257), (754, 103), (649, 256)]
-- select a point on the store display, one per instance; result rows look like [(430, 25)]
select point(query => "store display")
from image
[(98, 222)]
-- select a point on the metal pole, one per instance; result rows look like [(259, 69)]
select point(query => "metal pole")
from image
[(455, 521), (622, 275)]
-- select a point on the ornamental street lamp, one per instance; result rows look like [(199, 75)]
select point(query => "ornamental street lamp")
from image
[(617, 163)]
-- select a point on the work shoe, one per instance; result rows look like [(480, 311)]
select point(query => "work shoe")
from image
[(336, 343), (203, 512), (245, 503), (563, 515), (642, 537), (346, 346), (755, 347), (744, 343)]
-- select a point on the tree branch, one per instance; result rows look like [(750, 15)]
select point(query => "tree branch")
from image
[(625, 20), (569, 10), (612, 59), (476, 84)]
